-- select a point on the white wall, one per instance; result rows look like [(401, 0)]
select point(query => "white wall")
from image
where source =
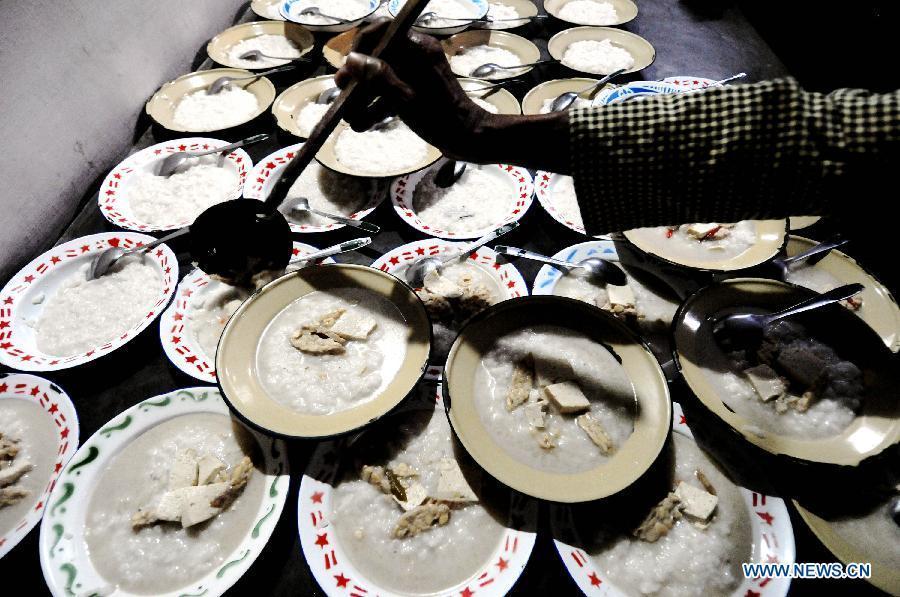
[(74, 76)]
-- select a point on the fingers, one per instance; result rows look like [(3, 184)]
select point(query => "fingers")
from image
[(375, 81), (363, 120), (370, 35)]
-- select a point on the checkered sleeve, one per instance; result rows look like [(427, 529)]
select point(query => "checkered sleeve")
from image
[(766, 150)]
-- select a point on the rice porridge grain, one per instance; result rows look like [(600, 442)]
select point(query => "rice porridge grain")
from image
[(687, 560), (448, 9), (344, 9), (579, 102), (700, 241), (271, 45), (364, 517), (568, 356), (28, 424), (199, 111), (83, 314), (166, 557), (589, 12), (597, 57), (376, 152), (210, 311), (504, 13), (564, 201), (470, 58), (326, 383), (872, 532), (169, 201), (477, 202), (309, 116), (331, 192)]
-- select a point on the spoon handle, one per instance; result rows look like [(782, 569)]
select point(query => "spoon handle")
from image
[(824, 247), (348, 245), (348, 221), (471, 247), (826, 298), (517, 252), (235, 145), (603, 81), (157, 242)]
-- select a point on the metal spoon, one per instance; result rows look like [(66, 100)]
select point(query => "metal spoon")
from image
[(347, 245), (257, 55), (718, 83), (601, 270), (102, 263), (449, 173), (564, 100), (491, 88), (383, 123), (302, 204), (313, 11), (489, 68), (415, 275), (328, 96), (895, 510), (812, 256), (172, 162), (740, 329), (223, 82), (428, 17)]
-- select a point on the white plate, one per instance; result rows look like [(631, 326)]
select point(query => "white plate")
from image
[(66, 564), (479, 8), (58, 406), (178, 341), (267, 9), (521, 188), (267, 172), (18, 347), (548, 275), (337, 575), (770, 527), (544, 184), (290, 10), (113, 196)]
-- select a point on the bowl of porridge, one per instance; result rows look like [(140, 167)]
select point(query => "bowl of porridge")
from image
[(172, 495), (817, 387), (336, 49), (296, 110), (353, 12), (267, 9), (408, 513), (539, 99), (495, 100), (712, 246), (133, 197), (601, 50), (687, 534), (323, 350), (38, 436), (183, 105), (190, 328), (598, 13), (869, 534), (483, 199), (55, 318), (460, 290), (449, 9), (286, 41), (509, 14), (875, 304), (467, 51), (391, 151), (556, 398), (326, 190)]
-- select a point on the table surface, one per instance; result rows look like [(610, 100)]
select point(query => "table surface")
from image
[(687, 43)]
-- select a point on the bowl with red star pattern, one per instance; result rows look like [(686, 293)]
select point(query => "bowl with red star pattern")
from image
[(39, 416), (348, 526), (760, 522), (50, 312), (483, 199)]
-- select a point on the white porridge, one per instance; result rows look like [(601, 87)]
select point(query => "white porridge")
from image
[(597, 57), (426, 558), (554, 399), (210, 311), (332, 350), (309, 116), (819, 280), (28, 449), (203, 112), (579, 102), (647, 305), (589, 12), (83, 314), (270, 45), (485, 105), (328, 191), (700, 241), (792, 385), (686, 552), (169, 201), (470, 58), (873, 532), (376, 152), (507, 15), (344, 9), (140, 556), (564, 201), (270, 10), (477, 202), (449, 9)]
